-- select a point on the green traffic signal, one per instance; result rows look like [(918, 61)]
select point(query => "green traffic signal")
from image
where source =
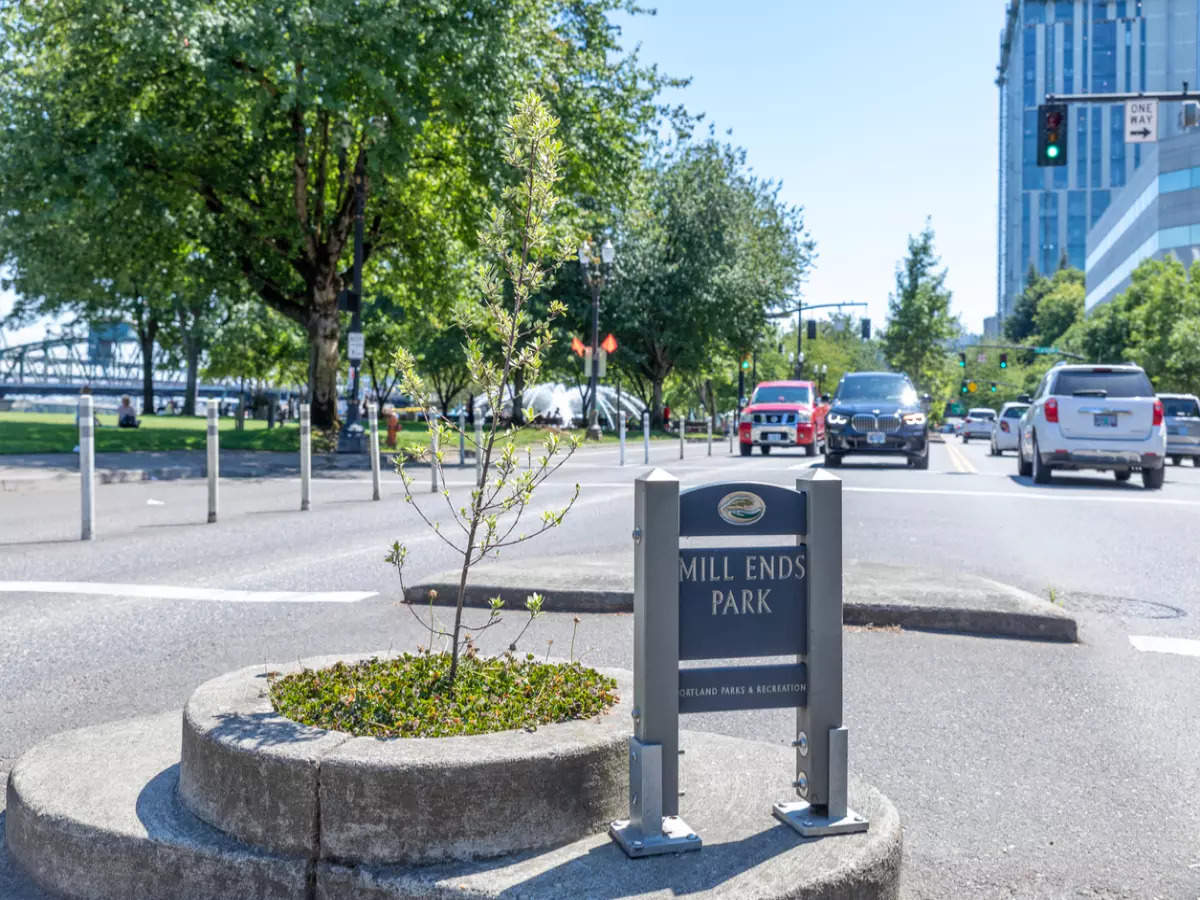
[(746, 363), (964, 387), (1052, 151), (993, 387), (962, 360), (1004, 360)]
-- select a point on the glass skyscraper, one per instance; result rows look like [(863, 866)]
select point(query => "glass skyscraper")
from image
[(1074, 47)]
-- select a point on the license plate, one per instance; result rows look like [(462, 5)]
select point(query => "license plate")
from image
[(1106, 420), (775, 437), (876, 437)]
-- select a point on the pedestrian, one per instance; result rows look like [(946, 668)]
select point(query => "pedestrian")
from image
[(666, 417), (126, 414)]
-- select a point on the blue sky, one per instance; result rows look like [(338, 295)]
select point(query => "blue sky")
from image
[(873, 115)]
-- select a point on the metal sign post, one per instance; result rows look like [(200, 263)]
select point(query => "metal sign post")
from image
[(433, 456), (710, 424), (732, 602), (373, 424), (646, 436), (305, 456), (621, 435), (87, 468), (214, 459), (462, 437), (478, 451)]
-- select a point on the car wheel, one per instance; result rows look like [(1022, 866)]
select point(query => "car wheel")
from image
[(919, 462), (1041, 471), (1122, 476), (766, 451), (1024, 469), (1152, 479), (1196, 461), (746, 449), (1176, 460), (811, 449), (995, 451), (966, 440), (832, 460)]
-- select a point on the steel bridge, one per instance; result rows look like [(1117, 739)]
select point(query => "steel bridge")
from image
[(68, 363)]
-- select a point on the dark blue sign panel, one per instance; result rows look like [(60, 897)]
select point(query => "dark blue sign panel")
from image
[(743, 687), (742, 508), (742, 601)]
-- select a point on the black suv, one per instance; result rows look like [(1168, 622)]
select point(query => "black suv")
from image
[(877, 412)]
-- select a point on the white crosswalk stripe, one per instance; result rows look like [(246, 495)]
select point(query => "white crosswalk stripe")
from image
[(171, 592), (1178, 646)]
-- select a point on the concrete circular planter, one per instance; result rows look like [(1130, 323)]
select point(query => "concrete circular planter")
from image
[(289, 788)]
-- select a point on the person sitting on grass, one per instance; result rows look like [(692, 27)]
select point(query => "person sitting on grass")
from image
[(126, 414)]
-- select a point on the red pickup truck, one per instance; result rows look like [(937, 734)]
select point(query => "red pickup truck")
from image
[(783, 414)]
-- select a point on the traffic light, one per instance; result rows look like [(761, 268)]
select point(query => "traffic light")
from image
[(993, 387), (1004, 360), (962, 360), (866, 329), (963, 387), (812, 329), (746, 362), (1052, 134)]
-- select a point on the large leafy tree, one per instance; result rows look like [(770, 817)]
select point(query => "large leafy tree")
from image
[(1022, 321), (704, 251), (1060, 306), (254, 122), (919, 319)]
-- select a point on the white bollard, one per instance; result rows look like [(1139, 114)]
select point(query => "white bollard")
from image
[(87, 467), (462, 437), (478, 452), (646, 435), (373, 448), (214, 459), (433, 452), (730, 429), (305, 456), (682, 435), (621, 436)]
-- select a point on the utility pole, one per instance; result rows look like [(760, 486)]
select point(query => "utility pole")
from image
[(800, 307)]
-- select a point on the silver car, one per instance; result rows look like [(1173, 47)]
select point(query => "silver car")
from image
[(978, 424), (1182, 413), (1005, 430)]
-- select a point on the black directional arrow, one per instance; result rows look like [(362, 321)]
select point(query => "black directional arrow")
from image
[(1145, 132)]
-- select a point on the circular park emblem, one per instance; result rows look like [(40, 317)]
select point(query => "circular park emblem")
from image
[(741, 508)]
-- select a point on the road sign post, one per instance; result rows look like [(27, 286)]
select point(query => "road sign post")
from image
[(373, 425), (305, 456), (462, 437), (214, 458), (736, 602), (710, 426), (1141, 121), (621, 435), (646, 436)]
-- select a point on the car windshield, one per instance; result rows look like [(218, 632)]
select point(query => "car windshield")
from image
[(1015, 412), (783, 393), (877, 388), (1103, 383), (1181, 406)]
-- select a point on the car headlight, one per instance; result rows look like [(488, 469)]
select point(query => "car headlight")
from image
[(917, 418), (803, 418), (837, 419)]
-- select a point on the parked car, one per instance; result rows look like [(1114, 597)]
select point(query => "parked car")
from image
[(1006, 427), (978, 424), (877, 412), (783, 414), (1094, 417), (1182, 412)]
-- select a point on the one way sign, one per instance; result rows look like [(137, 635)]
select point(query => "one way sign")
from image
[(1141, 121)]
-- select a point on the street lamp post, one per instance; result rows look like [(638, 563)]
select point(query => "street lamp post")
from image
[(595, 272)]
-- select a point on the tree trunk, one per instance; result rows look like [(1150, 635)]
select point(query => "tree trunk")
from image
[(518, 410), (192, 349), (656, 405), (146, 338), (324, 360)]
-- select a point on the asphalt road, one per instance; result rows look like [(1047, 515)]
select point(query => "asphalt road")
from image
[(1021, 769)]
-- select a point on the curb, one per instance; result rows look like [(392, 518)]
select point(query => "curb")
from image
[(1028, 624)]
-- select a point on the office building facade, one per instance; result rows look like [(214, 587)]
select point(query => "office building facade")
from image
[(1073, 47), (1156, 215)]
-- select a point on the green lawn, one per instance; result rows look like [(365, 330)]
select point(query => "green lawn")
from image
[(22, 432)]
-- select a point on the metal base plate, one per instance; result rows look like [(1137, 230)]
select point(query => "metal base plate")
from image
[(803, 818), (676, 837)]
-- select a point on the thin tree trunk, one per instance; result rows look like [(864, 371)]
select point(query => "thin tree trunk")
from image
[(192, 349), (656, 404), (518, 411), (146, 338)]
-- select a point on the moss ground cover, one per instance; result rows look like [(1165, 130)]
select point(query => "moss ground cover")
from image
[(408, 697)]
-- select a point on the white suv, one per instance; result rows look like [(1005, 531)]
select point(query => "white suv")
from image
[(1094, 417)]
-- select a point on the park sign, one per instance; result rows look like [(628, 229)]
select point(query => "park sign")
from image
[(776, 592)]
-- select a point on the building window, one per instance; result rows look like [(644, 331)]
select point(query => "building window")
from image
[(1068, 58), (1035, 12), (1029, 72), (1116, 167), (1025, 229), (1104, 58), (1048, 231), (1141, 51), (1077, 228), (1120, 9), (1129, 56), (1031, 175), (1080, 149), (1100, 9), (1064, 10), (1175, 181), (1048, 78), (1096, 146), (1100, 201)]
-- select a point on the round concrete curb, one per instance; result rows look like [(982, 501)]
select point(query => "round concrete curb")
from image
[(293, 789)]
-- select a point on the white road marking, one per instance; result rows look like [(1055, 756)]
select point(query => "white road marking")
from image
[(1180, 646), (1071, 496), (168, 592)]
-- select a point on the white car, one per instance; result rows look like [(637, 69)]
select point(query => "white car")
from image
[(1094, 417), (1006, 427), (978, 424)]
